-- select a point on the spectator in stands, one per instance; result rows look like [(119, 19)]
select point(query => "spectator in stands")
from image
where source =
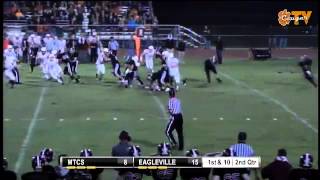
[(206, 30), (19, 14), (7, 174), (219, 49), (279, 169), (305, 170)]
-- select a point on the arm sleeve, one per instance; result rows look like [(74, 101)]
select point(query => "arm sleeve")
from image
[(163, 75), (76, 68), (69, 68), (116, 70)]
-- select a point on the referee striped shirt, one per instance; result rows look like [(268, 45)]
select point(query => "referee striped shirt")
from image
[(174, 106), (243, 150)]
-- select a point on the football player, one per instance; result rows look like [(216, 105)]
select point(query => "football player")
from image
[(101, 69), (17, 44), (9, 65), (132, 70), (86, 153), (37, 163), (43, 58), (9, 52), (305, 171), (194, 173), (148, 55), (116, 71), (71, 60), (305, 64), (55, 70), (46, 154), (164, 149), (173, 65), (163, 79), (158, 53)]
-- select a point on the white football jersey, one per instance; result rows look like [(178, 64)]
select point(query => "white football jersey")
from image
[(149, 54), (9, 63), (173, 63), (9, 53), (44, 58), (100, 59)]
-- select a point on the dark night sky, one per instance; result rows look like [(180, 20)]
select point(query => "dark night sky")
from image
[(228, 12)]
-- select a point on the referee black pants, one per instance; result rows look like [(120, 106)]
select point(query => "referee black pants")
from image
[(175, 123)]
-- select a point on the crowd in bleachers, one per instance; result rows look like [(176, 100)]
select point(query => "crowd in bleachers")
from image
[(75, 12), (280, 169)]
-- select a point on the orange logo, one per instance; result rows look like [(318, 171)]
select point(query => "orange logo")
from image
[(284, 17)]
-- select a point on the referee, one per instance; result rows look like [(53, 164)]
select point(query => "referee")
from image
[(175, 120), (242, 149)]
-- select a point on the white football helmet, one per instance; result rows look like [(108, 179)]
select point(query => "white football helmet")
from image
[(106, 50), (151, 47)]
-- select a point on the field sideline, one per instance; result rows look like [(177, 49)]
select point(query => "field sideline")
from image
[(282, 109)]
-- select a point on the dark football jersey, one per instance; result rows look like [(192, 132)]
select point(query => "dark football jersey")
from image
[(304, 174), (230, 173), (165, 174), (194, 173)]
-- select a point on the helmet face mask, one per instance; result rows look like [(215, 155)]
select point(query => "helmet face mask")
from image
[(306, 161), (37, 163), (193, 153), (86, 153), (46, 154), (164, 149), (134, 151)]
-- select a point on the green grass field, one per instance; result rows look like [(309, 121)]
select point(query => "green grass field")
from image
[(250, 89)]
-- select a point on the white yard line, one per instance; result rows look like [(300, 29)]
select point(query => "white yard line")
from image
[(271, 99), (162, 108), (27, 138)]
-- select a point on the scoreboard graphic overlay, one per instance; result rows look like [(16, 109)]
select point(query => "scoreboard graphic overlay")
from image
[(158, 162)]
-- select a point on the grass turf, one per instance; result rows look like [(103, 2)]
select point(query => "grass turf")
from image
[(203, 105)]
